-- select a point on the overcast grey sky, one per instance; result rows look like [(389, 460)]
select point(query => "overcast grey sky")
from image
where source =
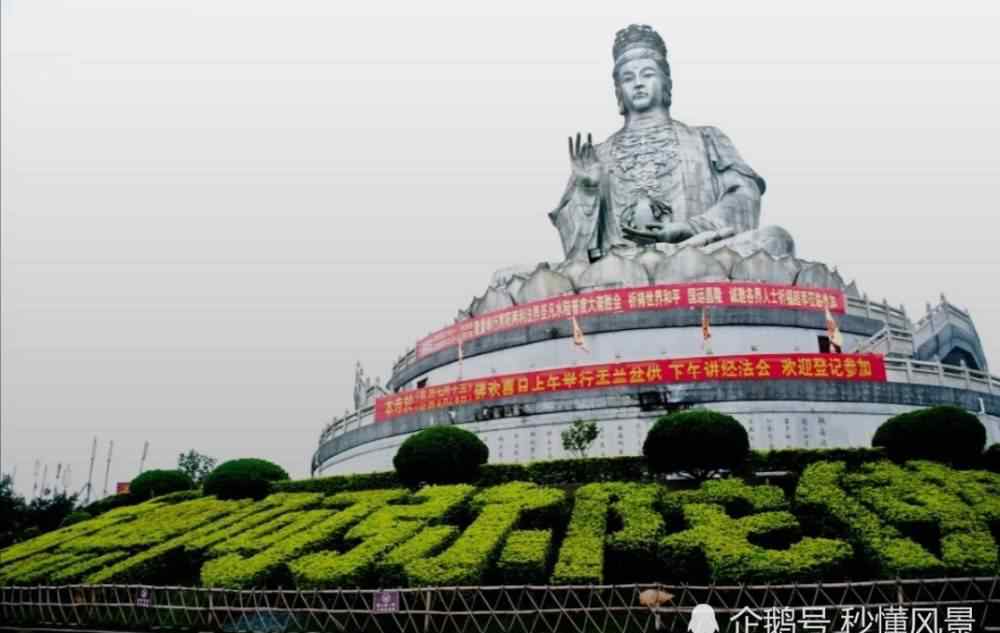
[(212, 209)]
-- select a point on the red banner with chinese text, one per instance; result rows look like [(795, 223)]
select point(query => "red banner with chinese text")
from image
[(846, 367), (668, 297)]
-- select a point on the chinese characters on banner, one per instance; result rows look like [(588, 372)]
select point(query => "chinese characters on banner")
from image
[(849, 367), (696, 295)]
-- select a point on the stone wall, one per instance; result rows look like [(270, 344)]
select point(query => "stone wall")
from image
[(818, 413)]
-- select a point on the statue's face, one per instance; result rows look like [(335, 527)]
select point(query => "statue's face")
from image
[(642, 84)]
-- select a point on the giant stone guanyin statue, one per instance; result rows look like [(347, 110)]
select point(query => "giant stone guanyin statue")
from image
[(657, 179)]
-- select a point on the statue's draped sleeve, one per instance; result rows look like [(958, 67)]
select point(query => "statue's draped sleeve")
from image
[(579, 214), (738, 187)]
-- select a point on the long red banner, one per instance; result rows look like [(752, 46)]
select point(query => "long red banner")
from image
[(846, 367), (668, 297)]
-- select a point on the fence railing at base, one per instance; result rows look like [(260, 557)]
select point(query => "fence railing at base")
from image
[(956, 604)]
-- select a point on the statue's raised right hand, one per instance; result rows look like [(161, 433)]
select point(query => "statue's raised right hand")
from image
[(583, 158)]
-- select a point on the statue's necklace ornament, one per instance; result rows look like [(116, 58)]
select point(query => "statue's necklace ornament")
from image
[(645, 161), (646, 158)]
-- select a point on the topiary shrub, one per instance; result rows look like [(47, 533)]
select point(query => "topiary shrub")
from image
[(439, 455), (75, 516), (243, 478), (991, 458), (944, 434), (697, 443), (109, 503), (155, 483)]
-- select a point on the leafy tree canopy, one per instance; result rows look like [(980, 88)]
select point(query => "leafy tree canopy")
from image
[(195, 465), (578, 438)]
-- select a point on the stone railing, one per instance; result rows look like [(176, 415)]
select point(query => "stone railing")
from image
[(888, 342), (408, 357), (929, 373), (893, 317), (344, 423)]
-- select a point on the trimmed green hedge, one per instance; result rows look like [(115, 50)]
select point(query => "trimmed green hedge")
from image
[(930, 502), (340, 483), (945, 433), (109, 503), (383, 531), (440, 454), (76, 517), (313, 530), (473, 553), (798, 459), (877, 519), (741, 533), (696, 442), (524, 559), (546, 473), (154, 483), (825, 504), (581, 556), (736, 497), (427, 543), (584, 471), (243, 478), (720, 548)]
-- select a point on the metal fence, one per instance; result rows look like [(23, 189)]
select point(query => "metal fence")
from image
[(956, 604)]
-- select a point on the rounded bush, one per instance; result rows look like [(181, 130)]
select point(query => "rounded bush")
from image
[(75, 516), (155, 483), (696, 442), (440, 454), (945, 434), (243, 478), (110, 503)]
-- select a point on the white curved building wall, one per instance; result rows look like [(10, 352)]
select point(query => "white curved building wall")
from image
[(626, 345), (770, 425)]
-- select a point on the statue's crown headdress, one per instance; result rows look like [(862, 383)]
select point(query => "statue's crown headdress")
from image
[(638, 36)]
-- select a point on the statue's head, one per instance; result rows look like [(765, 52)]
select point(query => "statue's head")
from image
[(641, 73)]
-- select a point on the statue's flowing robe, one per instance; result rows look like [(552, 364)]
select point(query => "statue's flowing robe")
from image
[(695, 172)]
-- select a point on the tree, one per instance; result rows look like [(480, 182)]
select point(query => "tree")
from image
[(13, 511), (579, 436), (48, 513), (20, 520), (697, 443), (196, 465)]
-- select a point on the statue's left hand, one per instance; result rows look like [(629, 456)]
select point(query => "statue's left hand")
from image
[(669, 232)]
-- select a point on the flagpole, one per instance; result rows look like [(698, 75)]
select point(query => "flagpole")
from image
[(578, 341), (706, 333)]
